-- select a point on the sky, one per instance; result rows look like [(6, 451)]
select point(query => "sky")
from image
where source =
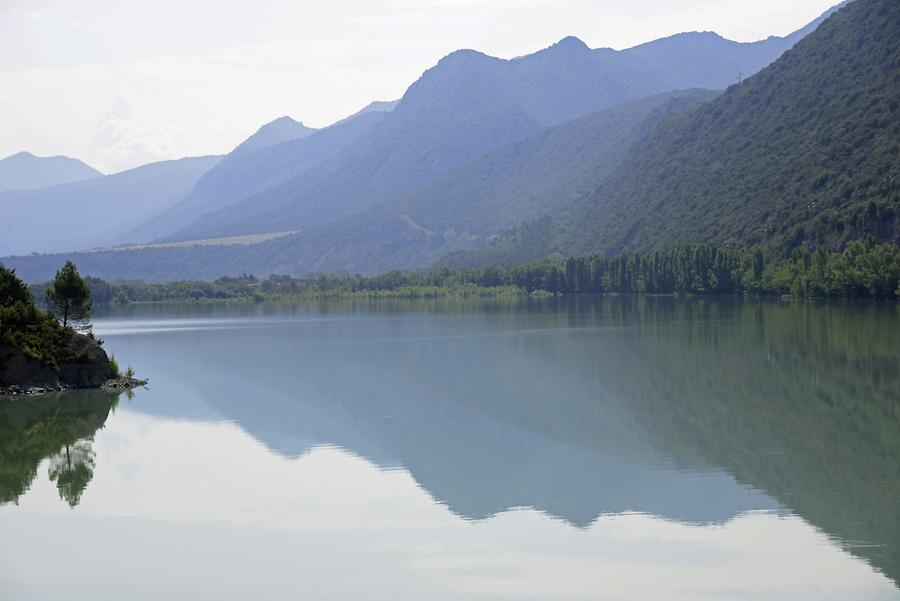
[(121, 83)]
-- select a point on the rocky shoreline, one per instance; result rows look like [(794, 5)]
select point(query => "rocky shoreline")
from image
[(123, 383), (84, 365)]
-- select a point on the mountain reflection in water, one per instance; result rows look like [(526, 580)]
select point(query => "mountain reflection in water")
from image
[(693, 411)]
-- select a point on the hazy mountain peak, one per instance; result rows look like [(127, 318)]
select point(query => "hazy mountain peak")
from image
[(287, 127), (462, 56), (24, 170), (377, 106), (684, 37), (280, 130), (569, 46), (570, 43), (380, 106), (107, 206), (284, 121), (706, 59)]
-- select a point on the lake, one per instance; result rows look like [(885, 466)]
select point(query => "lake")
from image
[(527, 449)]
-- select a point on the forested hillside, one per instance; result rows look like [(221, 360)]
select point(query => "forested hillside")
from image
[(807, 151)]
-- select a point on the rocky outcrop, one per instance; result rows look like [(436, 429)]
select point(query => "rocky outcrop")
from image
[(86, 365), (90, 366), (124, 383), (19, 369)]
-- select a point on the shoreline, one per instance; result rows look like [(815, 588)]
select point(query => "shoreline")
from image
[(522, 294), (115, 384)]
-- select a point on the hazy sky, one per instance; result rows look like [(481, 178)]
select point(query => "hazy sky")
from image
[(119, 83)]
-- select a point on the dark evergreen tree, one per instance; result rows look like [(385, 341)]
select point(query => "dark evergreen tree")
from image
[(69, 299), (12, 289)]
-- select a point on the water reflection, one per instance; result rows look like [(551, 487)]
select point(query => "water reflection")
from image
[(690, 412), (695, 411), (59, 427)]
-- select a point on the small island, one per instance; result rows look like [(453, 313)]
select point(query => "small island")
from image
[(43, 351)]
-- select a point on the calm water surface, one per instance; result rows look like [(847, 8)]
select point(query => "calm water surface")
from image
[(581, 448)]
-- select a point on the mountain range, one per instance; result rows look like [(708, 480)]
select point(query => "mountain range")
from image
[(24, 171), (471, 104), (807, 151), (567, 150), (261, 162), (94, 212), (465, 207)]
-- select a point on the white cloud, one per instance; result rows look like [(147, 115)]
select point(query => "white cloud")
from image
[(124, 139)]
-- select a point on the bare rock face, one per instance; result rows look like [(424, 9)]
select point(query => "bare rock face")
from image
[(87, 366), (90, 367), (18, 369)]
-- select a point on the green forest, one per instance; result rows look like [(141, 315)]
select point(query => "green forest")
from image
[(46, 330), (26, 327), (804, 153), (865, 269)]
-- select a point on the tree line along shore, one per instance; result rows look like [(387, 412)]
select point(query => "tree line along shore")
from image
[(864, 269), (46, 341)]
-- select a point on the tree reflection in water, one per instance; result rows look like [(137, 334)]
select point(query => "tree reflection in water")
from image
[(59, 426)]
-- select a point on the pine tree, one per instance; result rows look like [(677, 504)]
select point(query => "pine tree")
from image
[(69, 299)]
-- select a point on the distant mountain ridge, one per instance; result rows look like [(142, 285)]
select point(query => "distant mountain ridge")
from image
[(465, 207), (93, 212), (707, 60), (25, 171), (274, 132), (470, 104), (477, 146), (376, 106), (245, 172)]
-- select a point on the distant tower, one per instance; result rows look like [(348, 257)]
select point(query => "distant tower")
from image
[(740, 77)]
